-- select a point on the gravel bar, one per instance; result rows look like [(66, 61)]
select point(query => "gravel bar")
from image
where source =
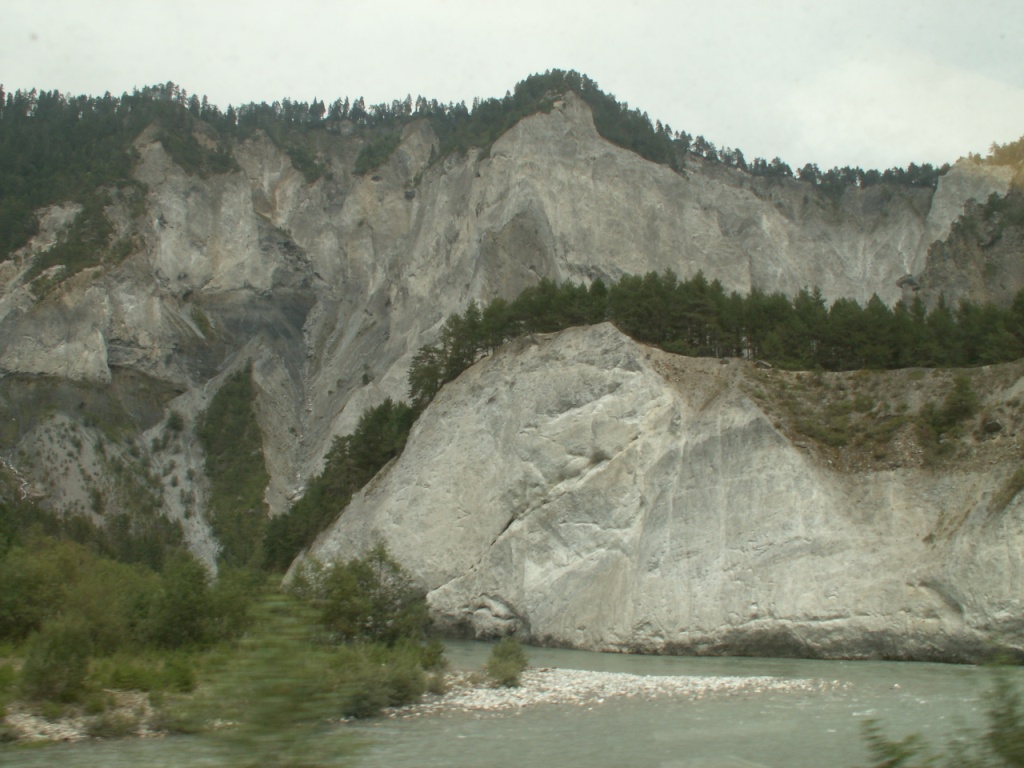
[(468, 692)]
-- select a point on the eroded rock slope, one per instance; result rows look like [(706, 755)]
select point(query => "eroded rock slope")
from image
[(585, 491), (330, 287)]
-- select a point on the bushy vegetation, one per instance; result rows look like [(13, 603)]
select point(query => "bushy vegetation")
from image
[(377, 151), (291, 672), (144, 538), (81, 617), (999, 745), (349, 639), (369, 599), (57, 662), (506, 663)]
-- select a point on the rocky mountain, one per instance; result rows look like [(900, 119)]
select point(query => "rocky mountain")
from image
[(582, 490), (327, 285)]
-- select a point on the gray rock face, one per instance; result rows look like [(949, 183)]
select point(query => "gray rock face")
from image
[(569, 490), (331, 287)]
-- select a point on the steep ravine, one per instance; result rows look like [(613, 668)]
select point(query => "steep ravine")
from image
[(582, 490)]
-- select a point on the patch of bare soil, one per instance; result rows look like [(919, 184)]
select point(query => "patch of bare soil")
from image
[(864, 421)]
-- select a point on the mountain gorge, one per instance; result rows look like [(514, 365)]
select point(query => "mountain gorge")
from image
[(564, 487)]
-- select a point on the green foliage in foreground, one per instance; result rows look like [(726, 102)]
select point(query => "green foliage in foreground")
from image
[(58, 662), (368, 599), (1000, 745), (346, 643), (506, 663), (293, 671), (73, 612), (281, 687)]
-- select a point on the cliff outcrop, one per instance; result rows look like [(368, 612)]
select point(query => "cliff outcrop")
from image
[(582, 490), (329, 287)]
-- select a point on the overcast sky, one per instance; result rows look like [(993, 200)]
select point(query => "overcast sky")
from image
[(874, 83)]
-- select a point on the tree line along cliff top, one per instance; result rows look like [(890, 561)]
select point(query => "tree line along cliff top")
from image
[(56, 148)]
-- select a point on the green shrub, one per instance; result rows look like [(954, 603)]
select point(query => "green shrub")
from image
[(231, 598), (405, 679), (180, 614), (7, 681), (370, 677), (305, 163), (175, 422), (437, 683), (33, 588), (506, 663), (962, 401), (150, 673), (960, 404), (96, 702), (364, 695), (999, 745), (57, 662), (7, 677), (432, 656), (372, 599), (113, 725), (133, 675), (112, 600), (179, 675)]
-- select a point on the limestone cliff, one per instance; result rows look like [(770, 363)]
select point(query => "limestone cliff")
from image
[(980, 260), (330, 287), (582, 490)]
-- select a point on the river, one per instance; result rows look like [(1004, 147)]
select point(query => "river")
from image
[(816, 725)]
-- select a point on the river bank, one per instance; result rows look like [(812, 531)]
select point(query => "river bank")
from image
[(466, 692), (585, 710), (472, 692)]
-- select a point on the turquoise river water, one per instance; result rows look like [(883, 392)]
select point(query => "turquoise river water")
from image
[(791, 729)]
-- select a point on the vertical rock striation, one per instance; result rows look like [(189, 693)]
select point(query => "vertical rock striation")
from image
[(569, 490)]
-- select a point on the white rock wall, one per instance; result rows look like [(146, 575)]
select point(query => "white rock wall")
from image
[(565, 490), (333, 286)]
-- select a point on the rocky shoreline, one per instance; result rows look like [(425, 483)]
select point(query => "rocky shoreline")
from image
[(467, 693), (130, 716), (473, 693)]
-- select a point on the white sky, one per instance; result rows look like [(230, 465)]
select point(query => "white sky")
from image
[(874, 83)]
